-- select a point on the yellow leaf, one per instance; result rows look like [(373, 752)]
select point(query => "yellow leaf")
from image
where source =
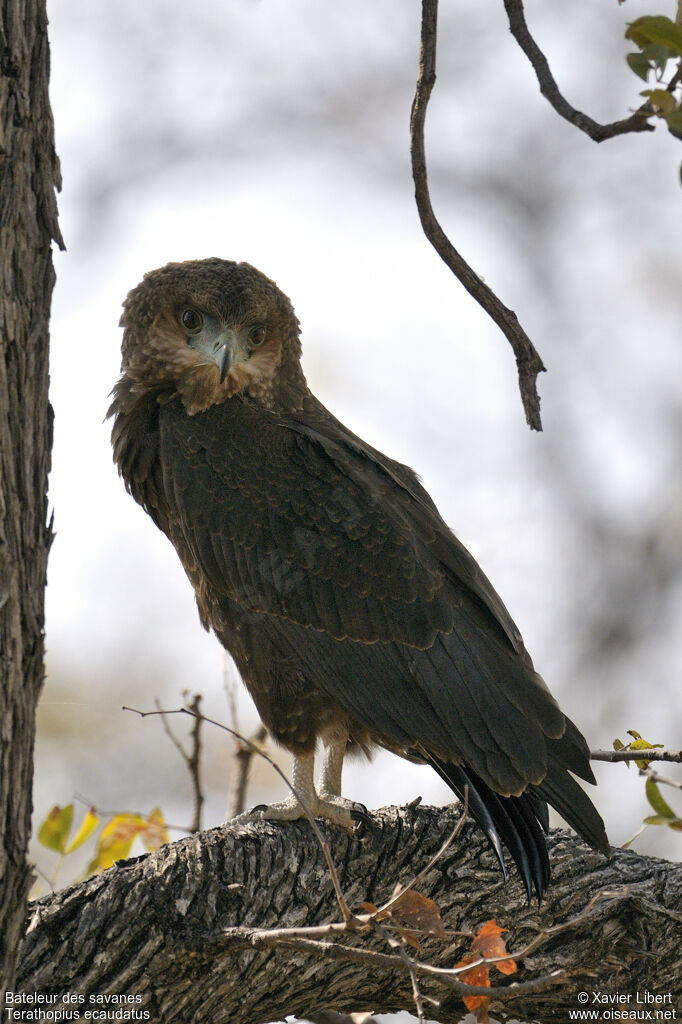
[(88, 826), (54, 831), (116, 839), (155, 833)]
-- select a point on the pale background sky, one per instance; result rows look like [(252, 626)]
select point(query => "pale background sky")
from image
[(277, 132)]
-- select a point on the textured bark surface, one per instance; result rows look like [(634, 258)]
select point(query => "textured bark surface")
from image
[(176, 927), (28, 222)]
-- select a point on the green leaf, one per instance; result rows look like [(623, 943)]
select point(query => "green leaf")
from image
[(661, 99), (656, 29), (88, 826), (653, 795), (639, 64), (55, 829), (657, 55)]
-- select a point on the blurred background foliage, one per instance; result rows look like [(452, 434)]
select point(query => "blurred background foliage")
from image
[(276, 131)]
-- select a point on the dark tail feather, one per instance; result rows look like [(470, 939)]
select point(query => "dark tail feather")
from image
[(562, 791), (518, 822)]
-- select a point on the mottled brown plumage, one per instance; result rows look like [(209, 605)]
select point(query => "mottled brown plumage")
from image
[(353, 613)]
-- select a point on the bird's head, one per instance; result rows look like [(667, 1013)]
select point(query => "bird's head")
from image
[(210, 329)]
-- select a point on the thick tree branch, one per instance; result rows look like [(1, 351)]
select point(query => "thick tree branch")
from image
[(528, 362), (185, 928), (637, 122), (29, 174)]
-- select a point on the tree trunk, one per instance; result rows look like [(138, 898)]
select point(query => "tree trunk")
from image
[(177, 929), (28, 222)]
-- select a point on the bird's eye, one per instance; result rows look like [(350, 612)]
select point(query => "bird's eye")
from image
[(191, 320), (256, 336)]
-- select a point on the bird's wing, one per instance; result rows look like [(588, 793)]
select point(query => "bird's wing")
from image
[(292, 519), (316, 533)]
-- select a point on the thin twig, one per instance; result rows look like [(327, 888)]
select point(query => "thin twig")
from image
[(324, 846), (637, 122), (436, 857), (374, 960), (396, 943), (193, 759), (362, 922), (646, 754), (528, 362), (664, 780), (239, 776)]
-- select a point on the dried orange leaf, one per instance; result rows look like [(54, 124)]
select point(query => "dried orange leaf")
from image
[(475, 976), (489, 943)]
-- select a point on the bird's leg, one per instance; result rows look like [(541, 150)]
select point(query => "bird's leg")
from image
[(332, 808), (329, 786), (332, 766)]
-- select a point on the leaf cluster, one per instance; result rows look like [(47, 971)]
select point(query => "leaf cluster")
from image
[(660, 49), (114, 841)]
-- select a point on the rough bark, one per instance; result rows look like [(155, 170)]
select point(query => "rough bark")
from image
[(28, 222), (176, 928)]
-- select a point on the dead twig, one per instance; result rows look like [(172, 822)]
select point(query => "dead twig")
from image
[(528, 362), (191, 759), (374, 960), (241, 765), (637, 122)]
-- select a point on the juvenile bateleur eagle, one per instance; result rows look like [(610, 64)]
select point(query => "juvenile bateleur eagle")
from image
[(353, 613)]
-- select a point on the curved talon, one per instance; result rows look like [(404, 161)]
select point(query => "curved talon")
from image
[(360, 814)]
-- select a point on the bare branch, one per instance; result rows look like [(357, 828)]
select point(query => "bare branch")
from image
[(637, 122), (646, 754), (193, 759), (239, 776), (664, 780), (528, 362)]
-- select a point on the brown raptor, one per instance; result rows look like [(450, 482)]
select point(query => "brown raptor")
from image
[(353, 613)]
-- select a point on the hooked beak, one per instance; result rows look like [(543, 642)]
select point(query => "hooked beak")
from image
[(219, 349)]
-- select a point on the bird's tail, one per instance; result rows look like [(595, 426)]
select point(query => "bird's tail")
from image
[(518, 822)]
